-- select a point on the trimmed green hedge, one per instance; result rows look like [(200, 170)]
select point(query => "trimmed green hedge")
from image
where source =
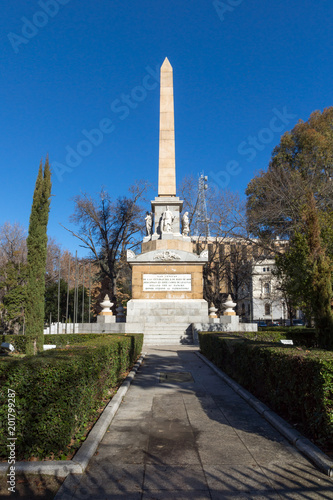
[(301, 336), (60, 340), (58, 392), (294, 382)]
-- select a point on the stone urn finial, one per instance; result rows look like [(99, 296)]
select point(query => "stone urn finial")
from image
[(229, 306), (106, 304), (212, 311), (106, 315)]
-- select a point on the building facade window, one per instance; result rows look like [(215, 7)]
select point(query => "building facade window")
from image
[(267, 309), (267, 288)]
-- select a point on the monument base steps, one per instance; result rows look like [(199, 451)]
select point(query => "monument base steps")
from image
[(154, 333), (168, 333), (167, 321)]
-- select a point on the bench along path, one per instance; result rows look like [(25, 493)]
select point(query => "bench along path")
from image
[(182, 433)]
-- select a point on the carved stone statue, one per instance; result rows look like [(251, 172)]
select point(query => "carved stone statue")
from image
[(185, 224), (167, 220), (149, 223)]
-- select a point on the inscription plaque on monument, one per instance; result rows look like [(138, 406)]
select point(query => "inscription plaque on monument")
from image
[(167, 282)]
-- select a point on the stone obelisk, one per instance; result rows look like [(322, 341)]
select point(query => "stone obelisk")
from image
[(166, 202), (167, 277), (167, 162)]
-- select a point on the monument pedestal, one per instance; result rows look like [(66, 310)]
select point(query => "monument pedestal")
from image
[(166, 311), (106, 319), (167, 291)]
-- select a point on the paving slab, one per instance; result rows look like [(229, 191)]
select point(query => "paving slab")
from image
[(175, 478), (192, 437), (238, 480)]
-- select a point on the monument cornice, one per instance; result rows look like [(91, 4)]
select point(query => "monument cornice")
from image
[(167, 200), (167, 256), (163, 201)]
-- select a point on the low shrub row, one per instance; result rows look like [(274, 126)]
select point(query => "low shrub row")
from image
[(60, 340), (294, 382), (58, 392), (299, 335)]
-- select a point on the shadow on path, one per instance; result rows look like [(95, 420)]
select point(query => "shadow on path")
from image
[(193, 439)]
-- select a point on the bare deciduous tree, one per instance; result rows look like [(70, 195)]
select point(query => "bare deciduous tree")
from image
[(13, 246), (225, 209), (232, 253), (13, 275), (108, 227)]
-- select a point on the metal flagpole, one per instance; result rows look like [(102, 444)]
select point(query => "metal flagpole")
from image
[(82, 317), (58, 294), (69, 268), (89, 289), (75, 287), (77, 291)]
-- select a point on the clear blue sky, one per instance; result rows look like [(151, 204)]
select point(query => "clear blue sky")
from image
[(244, 73)]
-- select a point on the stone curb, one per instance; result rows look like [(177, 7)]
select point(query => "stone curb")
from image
[(322, 461), (78, 464)]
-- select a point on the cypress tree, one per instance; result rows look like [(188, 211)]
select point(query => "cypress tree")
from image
[(321, 271), (37, 251), (322, 299)]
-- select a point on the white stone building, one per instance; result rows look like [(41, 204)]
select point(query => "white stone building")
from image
[(249, 277), (265, 301)]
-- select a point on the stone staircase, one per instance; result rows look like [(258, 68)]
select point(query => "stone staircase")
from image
[(167, 333)]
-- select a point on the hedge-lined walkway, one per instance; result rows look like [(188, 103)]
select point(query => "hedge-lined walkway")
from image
[(190, 436)]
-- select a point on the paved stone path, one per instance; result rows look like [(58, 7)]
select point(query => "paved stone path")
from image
[(173, 439)]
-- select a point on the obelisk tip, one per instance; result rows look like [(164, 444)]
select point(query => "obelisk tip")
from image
[(166, 66)]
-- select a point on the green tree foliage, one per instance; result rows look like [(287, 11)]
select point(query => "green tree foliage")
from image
[(302, 163), (322, 299), (292, 270), (305, 272), (13, 294), (294, 199), (326, 226), (37, 252), (321, 274)]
